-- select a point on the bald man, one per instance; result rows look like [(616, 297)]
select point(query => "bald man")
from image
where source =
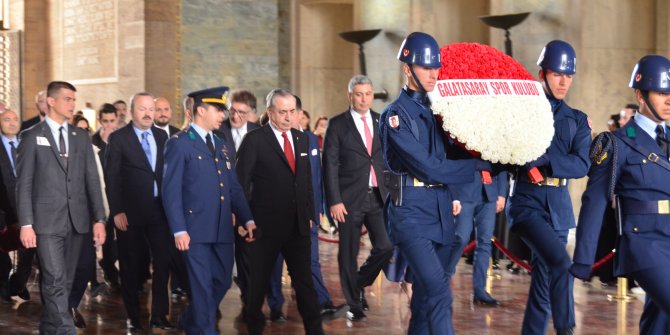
[(163, 116)]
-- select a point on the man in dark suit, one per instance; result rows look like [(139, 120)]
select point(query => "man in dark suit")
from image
[(9, 128), (353, 167), (201, 192), (274, 170), (164, 116), (133, 174), (58, 196), (41, 106)]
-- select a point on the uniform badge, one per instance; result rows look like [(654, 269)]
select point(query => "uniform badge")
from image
[(405, 52), (228, 164), (394, 122), (638, 77), (590, 123)]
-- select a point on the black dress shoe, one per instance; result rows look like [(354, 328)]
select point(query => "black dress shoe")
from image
[(77, 318), (277, 316), (23, 293), (5, 297), (487, 301), (161, 323), (356, 315), (364, 302), (134, 325), (330, 312), (569, 331)]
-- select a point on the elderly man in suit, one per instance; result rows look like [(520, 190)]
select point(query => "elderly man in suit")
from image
[(9, 142), (353, 166), (201, 194), (58, 197), (274, 170), (133, 174)]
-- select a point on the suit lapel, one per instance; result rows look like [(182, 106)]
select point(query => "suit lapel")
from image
[(274, 144), (46, 132), (198, 142), (298, 137), (376, 144), (354, 131)]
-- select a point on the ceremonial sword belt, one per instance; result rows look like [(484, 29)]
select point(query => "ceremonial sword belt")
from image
[(630, 206), (547, 181)]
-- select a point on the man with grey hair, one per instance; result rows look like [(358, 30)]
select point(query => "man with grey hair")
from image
[(274, 170), (41, 106), (353, 166)]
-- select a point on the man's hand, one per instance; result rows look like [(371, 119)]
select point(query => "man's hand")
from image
[(249, 232), (99, 234), (28, 237), (121, 221), (338, 212), (456, 207), (500, 204), (182, 241)]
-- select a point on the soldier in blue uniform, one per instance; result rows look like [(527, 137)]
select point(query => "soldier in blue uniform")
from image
[(201, 192), (419, 210), (541, 212), (480, 200), (632, 165)]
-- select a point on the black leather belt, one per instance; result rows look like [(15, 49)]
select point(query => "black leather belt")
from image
[(630, 206), (548, 181)]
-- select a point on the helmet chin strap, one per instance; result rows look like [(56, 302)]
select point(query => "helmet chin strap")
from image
[(546, 84), (418, 83), (645, 97)]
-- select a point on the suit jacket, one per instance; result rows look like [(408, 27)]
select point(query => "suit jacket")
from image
[(346, 162), (317, 180), (8, 191), (201, 191), (30, 122), (278, 198), (96, 139), (129, 176), (49, 191), (226, 132)]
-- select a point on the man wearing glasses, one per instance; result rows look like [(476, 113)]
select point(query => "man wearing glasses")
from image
[(242, 104)]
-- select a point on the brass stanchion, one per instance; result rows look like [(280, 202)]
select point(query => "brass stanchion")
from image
[(621, 291), (621, 307)]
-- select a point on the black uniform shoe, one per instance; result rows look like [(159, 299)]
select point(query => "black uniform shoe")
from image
[(356, 315), (23, 293), (364, 302), (330, 312), (277, 316), (486, 301), (161, 323), (134, 326), (77, 318), (569, 331)]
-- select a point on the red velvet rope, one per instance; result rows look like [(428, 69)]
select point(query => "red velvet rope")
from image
[(469, 247), (597, 265), (509, 254)]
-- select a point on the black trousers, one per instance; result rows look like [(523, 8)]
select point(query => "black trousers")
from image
[(85, 271), (110, 254), (353, 279), (156, 233), (262, 256), (241, 263), (24, 266)]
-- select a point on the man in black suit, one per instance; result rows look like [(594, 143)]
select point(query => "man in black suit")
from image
[(164, 116), (274, 171), (41, 106), (58, 196), (9, 128), (133, 174), (353, 166)]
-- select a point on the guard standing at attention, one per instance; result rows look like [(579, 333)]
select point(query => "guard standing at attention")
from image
[(419, 210), (631, 164), (541, 212)]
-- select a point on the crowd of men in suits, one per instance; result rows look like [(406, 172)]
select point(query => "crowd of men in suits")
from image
[(147, 187)]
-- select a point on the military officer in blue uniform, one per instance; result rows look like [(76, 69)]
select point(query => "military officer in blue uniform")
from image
[(632, 165), (541, 212), (479, 200), (201, 192), (419, 210)]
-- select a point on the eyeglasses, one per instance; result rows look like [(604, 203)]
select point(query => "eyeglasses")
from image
[(240, 113)]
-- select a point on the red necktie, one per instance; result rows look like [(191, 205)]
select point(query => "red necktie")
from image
[(288, 152), (368, 144)]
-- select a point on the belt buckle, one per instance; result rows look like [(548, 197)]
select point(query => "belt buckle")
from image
[(664, 207), (551, 182), (653, 157), (418, 182)]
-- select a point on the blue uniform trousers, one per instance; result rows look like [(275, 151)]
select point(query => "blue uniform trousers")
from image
[(655, 317), (275, 298), (431, 298), (481, 216), (209, 267), (550, 293)]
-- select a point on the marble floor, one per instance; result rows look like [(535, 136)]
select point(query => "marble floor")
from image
[(388, 315)]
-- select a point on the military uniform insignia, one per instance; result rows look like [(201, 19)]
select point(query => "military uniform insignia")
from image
[(630, 132), (191, 135), (228, 164), (394, 122), (602, 158)]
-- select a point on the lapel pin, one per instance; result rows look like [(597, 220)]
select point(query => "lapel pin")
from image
[(74, 134)]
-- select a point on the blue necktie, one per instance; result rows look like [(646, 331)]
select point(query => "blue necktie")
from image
[(146, 147)]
